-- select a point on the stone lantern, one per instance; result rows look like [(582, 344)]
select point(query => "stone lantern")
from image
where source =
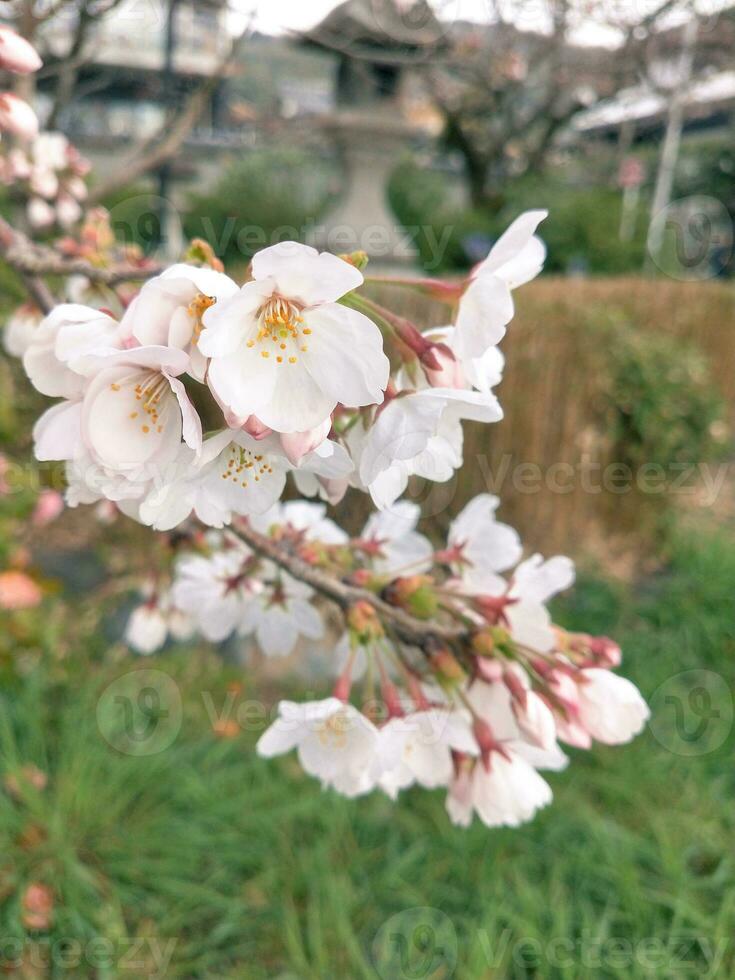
[(379, 44)]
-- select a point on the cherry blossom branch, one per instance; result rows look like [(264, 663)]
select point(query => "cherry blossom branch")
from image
[(15, 248), (32, 261), (407, 628)]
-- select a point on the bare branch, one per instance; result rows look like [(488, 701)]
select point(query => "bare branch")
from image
[(12, 242), (166, 143), (32, 261)]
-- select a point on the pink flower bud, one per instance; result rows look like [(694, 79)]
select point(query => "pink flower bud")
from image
[(48, 507), (489, 670), (536, 720), (441, 368), (255, 428), (606, 652), (18, 591), (40, 213), (16, 54), (335, 489), (68, 210), (296, 445), (17, 117)]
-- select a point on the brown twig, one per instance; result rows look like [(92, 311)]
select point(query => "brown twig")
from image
[(32, 261), (407, 628), (11, 243)]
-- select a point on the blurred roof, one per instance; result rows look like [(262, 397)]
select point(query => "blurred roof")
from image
[(393, 25), (641, 104)]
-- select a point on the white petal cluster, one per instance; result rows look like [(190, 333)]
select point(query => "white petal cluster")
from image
[(203, 398)]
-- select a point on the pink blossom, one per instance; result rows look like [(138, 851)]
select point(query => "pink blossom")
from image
[(17, 117), (48, 507), (441, 367), (18, 591), (16, 54), (296, 445)]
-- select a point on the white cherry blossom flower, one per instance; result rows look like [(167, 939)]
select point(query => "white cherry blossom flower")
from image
[(502, 786), (20, 330), (392, 542), (324, 472), (476, 540), (418, 749), (520, 606), (57, 360), (419, 434), (135, 410), (168, 310), (303, 517), (610, 707), (284, 350), (147, 629), (504, 791), (486, 307), (215, 591), (233, 474), (280, 614), (334, 742)]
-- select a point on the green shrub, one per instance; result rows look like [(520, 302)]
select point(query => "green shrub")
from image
[(662, 404), (268, 196), (581, 231)]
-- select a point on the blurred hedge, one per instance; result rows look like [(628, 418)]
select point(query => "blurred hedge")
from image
[(581, 230), (618, 371)]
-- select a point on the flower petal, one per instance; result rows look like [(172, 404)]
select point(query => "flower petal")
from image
[(303, 274), (345, 355)]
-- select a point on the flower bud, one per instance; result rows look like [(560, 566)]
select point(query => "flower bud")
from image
[(441, 367), (17, 117), (447, 668), (255, 428), (18, 591), (364, 622), (49, 506), (40, 213), (296, 445), (37, 906), (606, 652), (202, 252), (16, 54), (415, 594), (483, 644), (491, 671), (359, 259)]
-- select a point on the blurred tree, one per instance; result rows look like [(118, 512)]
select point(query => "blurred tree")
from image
[(505, 93)]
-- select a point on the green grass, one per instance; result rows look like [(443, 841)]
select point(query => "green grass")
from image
[(249, 871)]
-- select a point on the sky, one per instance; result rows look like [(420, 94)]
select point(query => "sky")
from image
[(279, 16)]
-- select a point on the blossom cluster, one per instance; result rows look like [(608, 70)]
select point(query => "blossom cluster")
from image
[(202, 405), (478, 716), (202, 396), (18, 56), (49, 173)]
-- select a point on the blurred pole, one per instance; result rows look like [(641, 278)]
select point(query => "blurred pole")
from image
[(169, 99), (672, 139)]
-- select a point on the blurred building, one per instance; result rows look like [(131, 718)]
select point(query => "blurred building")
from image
[(642, 108), (123, 91)]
